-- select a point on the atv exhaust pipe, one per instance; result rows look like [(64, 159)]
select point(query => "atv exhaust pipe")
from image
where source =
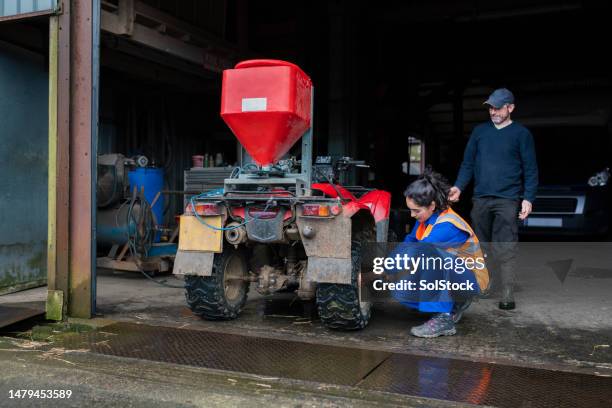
[(237, 234)]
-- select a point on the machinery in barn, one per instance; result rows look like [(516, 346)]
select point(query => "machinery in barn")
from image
[(280, 223), (130, 208)]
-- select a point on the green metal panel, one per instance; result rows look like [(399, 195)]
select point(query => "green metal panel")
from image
[(23, 166), (16, 8)]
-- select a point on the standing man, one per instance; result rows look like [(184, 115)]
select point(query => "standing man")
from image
[(500, 157)]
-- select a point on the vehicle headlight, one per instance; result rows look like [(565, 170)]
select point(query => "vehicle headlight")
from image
[(600, 179)]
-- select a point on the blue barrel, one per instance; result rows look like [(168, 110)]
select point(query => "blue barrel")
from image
[(152, 179)]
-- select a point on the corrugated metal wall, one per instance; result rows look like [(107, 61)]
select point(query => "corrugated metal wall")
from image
[(23, 168), (14, 7)]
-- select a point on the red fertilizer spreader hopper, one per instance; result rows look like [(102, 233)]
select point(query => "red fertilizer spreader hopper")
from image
[(281, 224)]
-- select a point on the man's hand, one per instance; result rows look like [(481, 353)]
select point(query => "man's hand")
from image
[(453, 194), (525, 210)]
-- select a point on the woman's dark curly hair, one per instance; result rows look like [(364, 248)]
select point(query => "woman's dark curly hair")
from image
[(430, 186)]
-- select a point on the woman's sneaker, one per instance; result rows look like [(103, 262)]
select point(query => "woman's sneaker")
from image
[(440, 325)]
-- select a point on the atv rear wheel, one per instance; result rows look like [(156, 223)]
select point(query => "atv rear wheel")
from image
[(222, 295), (340, 306)]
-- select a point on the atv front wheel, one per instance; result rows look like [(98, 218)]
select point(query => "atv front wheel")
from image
[(340, 306), (222, 295)]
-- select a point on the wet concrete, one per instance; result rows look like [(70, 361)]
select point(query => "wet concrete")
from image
[(553, 327), (417, 376), (547, 334), (107, 381), (254, 355), (488, 384)]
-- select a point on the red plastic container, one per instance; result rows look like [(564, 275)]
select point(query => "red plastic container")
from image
[(266, 103), (197, 161)]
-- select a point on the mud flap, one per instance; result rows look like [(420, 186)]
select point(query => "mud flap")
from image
[(193, 263), (328, 270), (329, 237), (328, 247)]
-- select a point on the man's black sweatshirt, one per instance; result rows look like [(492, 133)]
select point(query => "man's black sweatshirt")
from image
[(501, 161)]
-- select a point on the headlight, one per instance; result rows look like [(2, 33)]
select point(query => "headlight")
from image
[(600, 179)]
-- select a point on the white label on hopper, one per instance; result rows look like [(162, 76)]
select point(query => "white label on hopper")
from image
[(254, 104)]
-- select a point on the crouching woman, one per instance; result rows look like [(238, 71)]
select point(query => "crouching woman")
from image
[(440, 233)]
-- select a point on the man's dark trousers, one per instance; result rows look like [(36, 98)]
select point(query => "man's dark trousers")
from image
[(495, 221)]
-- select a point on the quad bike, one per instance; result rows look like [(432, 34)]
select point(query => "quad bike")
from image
[(279, 224)]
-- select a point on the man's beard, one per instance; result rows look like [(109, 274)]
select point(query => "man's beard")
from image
[(499, 119)]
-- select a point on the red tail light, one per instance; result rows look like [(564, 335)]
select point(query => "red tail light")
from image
[(316, 210), (204, 209)]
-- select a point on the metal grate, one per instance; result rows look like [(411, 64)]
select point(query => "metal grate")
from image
[(420, 376), (488, 384), (274, 358)]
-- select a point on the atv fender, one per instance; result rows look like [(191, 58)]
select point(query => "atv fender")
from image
[(378, 203), (327, 242)]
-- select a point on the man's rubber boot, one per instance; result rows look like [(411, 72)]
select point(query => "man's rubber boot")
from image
[(507, 300)]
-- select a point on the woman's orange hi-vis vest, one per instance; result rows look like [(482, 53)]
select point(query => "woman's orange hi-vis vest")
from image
[(469, 249)]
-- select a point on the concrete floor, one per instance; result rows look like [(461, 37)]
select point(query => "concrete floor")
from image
[(558, 325), (105, 381)]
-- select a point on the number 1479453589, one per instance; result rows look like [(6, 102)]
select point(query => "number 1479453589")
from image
[(39, 394)]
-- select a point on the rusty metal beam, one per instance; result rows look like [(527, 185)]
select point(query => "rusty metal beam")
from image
[(82, 155), (159, 41), (23, 16), (158, 16), (112, 44), (189, 43), (126, 16)]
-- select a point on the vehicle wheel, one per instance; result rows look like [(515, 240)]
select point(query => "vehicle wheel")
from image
[(222, 295), (340, 306)]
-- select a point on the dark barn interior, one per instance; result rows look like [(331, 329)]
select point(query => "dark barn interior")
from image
[(399, 84), (262, 302), (390, 78), (388, 72)]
